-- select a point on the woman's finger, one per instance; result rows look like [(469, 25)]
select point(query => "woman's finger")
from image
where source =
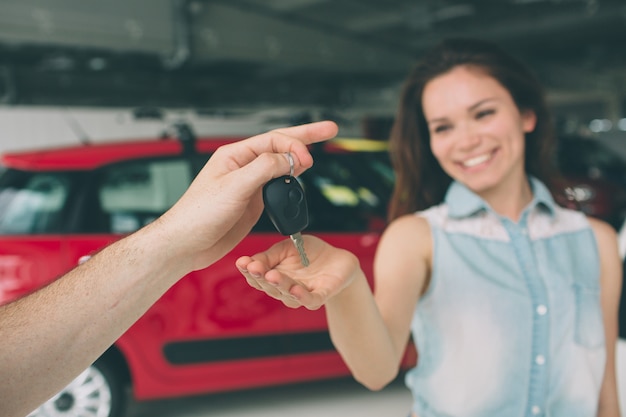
[(271, 288)]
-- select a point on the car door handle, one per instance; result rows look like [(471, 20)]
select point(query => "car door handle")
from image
[(83, 259)]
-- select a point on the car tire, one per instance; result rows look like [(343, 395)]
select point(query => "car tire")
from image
[(98, 391)]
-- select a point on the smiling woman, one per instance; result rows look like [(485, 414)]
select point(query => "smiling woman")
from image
[(504, 291), (474, 132)]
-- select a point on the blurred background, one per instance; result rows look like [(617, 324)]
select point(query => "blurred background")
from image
[(80, 68), (77, 72)]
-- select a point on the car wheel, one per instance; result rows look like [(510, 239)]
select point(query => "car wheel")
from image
[(96, 392)]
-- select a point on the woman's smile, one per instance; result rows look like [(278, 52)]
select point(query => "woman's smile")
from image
[(478, 162)]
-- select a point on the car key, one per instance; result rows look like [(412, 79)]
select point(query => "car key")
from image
[(286, 207)]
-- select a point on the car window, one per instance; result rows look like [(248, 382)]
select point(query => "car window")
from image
[(344, 191), (347, 190), (132, 195), (33, 203)]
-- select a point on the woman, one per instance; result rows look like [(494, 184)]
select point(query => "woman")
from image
[(512, 301)]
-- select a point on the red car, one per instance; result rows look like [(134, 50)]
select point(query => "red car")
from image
[(210, 332)]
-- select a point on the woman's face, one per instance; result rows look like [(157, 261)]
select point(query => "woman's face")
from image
[(476, 130)]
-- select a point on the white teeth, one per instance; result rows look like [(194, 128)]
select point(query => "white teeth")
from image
[(477, 160)]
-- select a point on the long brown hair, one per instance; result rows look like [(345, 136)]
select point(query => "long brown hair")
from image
[(420, 180)]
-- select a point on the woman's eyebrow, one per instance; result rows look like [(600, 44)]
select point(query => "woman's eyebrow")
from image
[(469, 109), (481, 102)]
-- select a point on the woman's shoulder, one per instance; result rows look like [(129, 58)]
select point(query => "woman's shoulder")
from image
[(409, 223), (410, 234), (405, 250), (604, 232), (610, 261)]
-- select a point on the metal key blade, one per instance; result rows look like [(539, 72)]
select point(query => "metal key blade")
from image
[(299, 243)]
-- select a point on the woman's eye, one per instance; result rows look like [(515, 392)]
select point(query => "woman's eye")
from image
[(441, 128), (484, 113)]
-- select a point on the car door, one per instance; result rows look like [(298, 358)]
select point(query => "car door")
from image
[(206, 332), (347, 195), (33, 208)]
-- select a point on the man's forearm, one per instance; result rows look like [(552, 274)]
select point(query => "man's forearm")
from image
[(50, 336), (86, 311)]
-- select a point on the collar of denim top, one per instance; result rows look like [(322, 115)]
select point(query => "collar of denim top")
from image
[(462, 202)]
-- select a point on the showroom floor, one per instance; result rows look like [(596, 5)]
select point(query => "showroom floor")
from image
[(334, 398)]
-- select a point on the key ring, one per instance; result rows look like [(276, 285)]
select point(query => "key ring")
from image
[(290, 159)]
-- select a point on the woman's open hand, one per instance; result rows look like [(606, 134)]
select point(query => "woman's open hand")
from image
[(279, 273)]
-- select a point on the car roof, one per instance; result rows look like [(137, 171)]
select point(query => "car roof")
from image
[(86, 157), (92, 156)]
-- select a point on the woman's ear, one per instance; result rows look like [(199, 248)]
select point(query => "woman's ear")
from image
[(529, 121)]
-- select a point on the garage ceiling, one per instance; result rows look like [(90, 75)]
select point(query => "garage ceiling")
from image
[(228, 53)]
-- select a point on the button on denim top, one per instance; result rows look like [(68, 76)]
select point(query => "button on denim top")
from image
[(511, 324)]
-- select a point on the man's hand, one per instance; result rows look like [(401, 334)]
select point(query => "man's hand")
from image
[(224, 201)]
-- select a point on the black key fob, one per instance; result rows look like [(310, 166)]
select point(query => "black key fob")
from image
[(285, 204)]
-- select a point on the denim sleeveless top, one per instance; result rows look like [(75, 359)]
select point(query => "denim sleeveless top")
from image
[(511, 324)]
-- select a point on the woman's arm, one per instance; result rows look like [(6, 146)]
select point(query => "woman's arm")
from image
[(611, 287), (370, 333)]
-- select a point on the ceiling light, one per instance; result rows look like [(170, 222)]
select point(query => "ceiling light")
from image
[(97, 64), (600, 125)]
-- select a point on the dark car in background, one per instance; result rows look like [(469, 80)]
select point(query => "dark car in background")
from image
[(210, 332), (594, 179)]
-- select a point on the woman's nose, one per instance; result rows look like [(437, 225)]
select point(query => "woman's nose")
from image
[(469, 138)]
